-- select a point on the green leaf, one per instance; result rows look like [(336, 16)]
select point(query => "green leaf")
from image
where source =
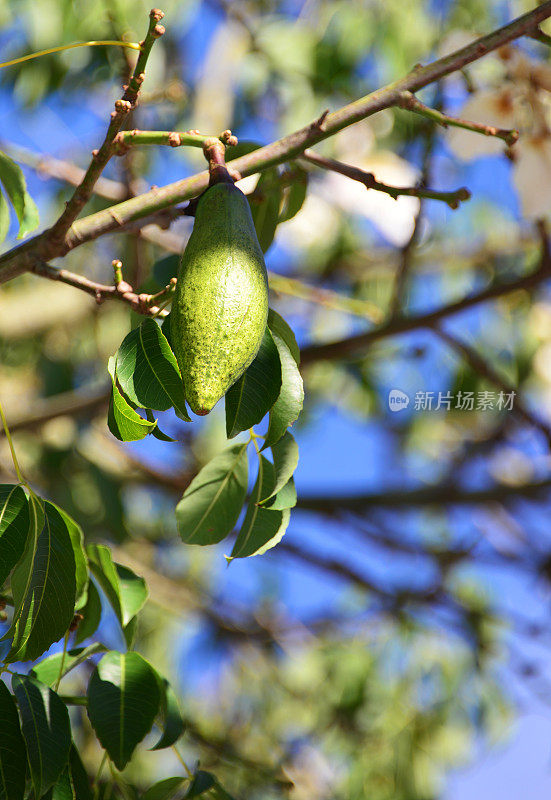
[(265, 202), (291, 397), (285, 498), (44, 587), (81, 562), (172, 723), (126, 591), (62, 788), (242, 148), (147, 370), (47, 670), (73, 783), (295, 195), (91, 615), (211, 504), (202, 782), (165, 268), (166, 789), (277, 324), (123, 701), (206, 782), (285, 455), (4, 217), (252, 396), (79, 776), (16, 188), (124, 423), (13, 756), (157, 432), (262, 528), (46, 730), (14, 527)]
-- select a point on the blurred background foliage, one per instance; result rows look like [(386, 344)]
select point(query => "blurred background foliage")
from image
[(383, 640)]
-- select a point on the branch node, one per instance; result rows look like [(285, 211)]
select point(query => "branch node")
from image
[(228, 138), (319, 123), (215, 153), (174, 139)]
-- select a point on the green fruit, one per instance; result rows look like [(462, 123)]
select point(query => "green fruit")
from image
[(220, 304)]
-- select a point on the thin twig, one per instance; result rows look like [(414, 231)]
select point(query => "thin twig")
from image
[(325, 297), (142, 303), (124, 140), (408, 249), (409, 102), (453, 199), (84, 190)]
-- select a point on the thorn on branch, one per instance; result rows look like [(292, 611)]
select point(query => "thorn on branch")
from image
[(319, 123)]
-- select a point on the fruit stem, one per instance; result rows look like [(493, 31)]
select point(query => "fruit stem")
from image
[(215, 153)]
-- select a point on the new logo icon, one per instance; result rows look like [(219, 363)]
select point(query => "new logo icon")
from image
[(397, 400)]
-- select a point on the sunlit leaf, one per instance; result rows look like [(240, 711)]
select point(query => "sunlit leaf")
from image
[(14, 527), (262, 528), (278, 325), (286, 497), (44, 586), (81, 562), (126, 591), (124, 423), (123, 700), (4, 217), (211, 504), (285, 455), (15, 185), (291, 397), (147, 370), (49, 669)]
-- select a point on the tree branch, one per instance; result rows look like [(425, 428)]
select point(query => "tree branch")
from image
[(141, 303), (41, 247), (409, 102), (483, 368), (453, 199), (431, 496), (72, 403), (355, 346), (84, 190)]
